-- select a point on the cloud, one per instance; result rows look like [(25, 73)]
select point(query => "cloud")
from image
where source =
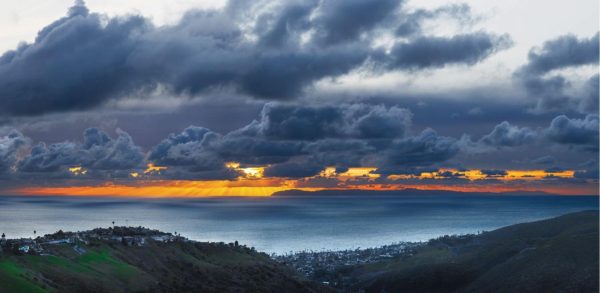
[(590, 170), (75, 63), (340, 21), (545, 160), (295, 169), (494, 172), (295, 140), (98, 152), (553, 89), (423, 150), (411, 23), (191, 154), (436, 52), (86, 60), (293, 122), (192, 147), (564, 51), (9, 146), (507, 135), (277, 30), (571, 132), (399, 170), (344, 152), (581, 133), (284, 75), (258, 150), (332, 134)]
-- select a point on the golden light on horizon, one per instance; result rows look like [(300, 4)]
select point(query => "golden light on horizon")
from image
[(78, 170), (476, 174), (151, 168), (160, 188), (253, 172), (353, 172), (232, 165), (256, 172), (537, 174), (252, 182)]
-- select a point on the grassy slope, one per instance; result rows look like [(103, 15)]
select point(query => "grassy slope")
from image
[(556, 255), (155, 267)]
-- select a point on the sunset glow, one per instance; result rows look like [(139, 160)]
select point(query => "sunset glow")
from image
[(78, 170), (253, 183)]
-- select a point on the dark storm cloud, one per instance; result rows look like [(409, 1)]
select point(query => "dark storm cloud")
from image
[(339, 135), (98, 152), (276, 30), (284, 75), (74, 63), (84, 60), (9, 145), (425, 149), (334, 135), (191, 154), (296, 141), (399, 170), (193, 147), (258, 150), (589, 96), (571, 132), (581, 133), (292, 122), (344, 153), (507, 135), (563, 52), (494, 172), (340, 21), (435, 52), (294, 169)]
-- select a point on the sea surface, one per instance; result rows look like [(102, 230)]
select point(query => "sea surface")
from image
[(286, 223)]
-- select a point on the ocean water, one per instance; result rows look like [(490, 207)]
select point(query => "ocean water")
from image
[(284, 224)]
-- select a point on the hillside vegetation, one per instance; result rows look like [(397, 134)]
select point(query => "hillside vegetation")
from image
[(555, 255), (154, 267)]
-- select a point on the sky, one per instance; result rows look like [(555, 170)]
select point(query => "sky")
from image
[(209, 98)]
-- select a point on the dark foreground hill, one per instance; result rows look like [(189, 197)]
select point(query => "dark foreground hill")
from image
[(555, 255), (124, 264)]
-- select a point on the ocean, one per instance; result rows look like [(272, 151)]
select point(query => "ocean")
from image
[(284, 224)]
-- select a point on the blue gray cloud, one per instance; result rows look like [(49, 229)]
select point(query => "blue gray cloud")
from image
[(85, 60), (99, 154), (294, 141), (552, 90)]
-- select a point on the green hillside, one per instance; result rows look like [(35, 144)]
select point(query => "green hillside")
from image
[(177, 266), (555, 255)]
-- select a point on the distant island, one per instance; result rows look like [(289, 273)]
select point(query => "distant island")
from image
[(554, 255), (407, 191)]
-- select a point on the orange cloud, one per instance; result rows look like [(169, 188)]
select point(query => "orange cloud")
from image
[(252, 183)]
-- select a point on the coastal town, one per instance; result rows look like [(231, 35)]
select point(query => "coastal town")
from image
[(44, 245), (317, 265)]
